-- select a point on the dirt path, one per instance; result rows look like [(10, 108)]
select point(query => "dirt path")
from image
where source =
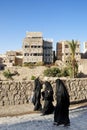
[(23, 109)]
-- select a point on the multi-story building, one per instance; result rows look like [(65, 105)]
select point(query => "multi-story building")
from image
[(59, 51), (11, 55), (63, 51), (47, 51), (14, 58), (84, 53), (85, 47), (35, 49)]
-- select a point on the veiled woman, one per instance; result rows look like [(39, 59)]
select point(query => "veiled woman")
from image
[(47, 95), (61, 113), (37, 95)]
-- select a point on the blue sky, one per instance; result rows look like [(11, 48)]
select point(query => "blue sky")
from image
[(56, 19)]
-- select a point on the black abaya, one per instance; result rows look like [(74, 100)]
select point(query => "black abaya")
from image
[(61, 113), (37, 95), (47, 94)]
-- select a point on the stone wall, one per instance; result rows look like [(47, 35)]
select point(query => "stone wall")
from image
[(12, 93)]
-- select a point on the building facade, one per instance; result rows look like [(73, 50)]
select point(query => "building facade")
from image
[(35, 49), (14, 58), (47, 52), (84, 47), (84, 53), (63, 51)]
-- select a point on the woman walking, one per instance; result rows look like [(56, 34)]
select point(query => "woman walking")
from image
[(37, 95), (61, 113), (47, 95)]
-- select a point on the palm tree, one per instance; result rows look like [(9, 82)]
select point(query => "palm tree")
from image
[(73, 45)]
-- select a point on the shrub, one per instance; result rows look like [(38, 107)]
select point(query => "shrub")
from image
[(39, 63), (47, 72), (29, 64), (65, 72), (55, 71), (7, 74), (52, 72), (26, 64), (33, 77)]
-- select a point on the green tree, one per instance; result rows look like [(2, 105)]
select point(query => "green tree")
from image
[(74, 64)]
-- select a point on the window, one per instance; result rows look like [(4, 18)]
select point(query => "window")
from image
[(77, 53), (33, 46), (35, 54), (66, 46), (66, 53), (39, 46), (26, 46), (26, 54), (77, 46)]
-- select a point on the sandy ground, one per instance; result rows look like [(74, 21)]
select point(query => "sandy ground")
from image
[(24, 73), (23, 109)]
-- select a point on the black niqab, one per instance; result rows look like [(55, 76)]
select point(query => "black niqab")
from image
[(47, 94), (37, 94), (61, 113)]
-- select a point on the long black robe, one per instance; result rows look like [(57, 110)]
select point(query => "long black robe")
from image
[(47, 94), (37, 95), (61, 113)]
